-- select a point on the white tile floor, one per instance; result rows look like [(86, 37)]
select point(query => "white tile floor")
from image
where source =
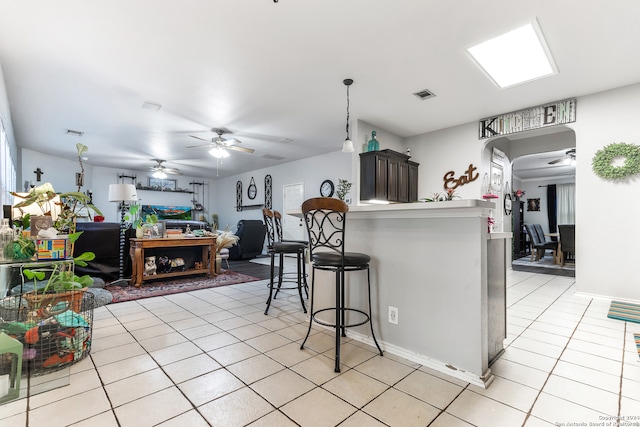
[(212, 358)]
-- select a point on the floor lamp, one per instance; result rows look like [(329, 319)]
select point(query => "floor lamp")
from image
[(123, 194)]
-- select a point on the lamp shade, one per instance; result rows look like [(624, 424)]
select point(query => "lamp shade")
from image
[(122, 193)]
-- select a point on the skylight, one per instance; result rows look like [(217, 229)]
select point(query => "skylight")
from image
[(518, 56)]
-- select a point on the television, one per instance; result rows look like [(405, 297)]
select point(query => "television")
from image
[(167, 212)]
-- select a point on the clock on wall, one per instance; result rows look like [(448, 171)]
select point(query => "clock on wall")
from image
[(327, 188), (252, 190)]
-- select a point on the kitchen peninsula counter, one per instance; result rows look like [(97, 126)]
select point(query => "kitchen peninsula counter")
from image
[(438, 265)]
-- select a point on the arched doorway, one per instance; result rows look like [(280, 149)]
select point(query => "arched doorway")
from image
[(541, 168)]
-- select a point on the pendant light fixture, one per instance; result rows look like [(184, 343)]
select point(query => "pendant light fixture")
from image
[(347, 145)]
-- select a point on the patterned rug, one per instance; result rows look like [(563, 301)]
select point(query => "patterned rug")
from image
[(167, 287), (624, 311)]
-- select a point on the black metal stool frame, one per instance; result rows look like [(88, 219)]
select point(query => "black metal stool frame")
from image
[(281, 248), (277, 221), (325, 218)]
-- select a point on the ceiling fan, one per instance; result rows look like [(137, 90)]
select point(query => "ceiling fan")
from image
[(219, 145), (160, 171), (568, 158)]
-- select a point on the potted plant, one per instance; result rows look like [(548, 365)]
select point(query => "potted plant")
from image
[(68, 206), (58, 282), (134, 217), (343, 188)]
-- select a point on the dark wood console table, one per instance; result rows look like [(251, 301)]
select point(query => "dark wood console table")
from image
[(138, 247)]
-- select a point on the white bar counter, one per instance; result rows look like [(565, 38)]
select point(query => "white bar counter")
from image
[(438, 265)]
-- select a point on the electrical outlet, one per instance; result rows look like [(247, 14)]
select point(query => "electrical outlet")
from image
[(393, 315)]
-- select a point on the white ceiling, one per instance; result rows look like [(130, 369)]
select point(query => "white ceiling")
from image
[(272, 72)]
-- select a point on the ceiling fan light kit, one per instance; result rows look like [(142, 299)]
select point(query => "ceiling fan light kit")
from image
[(219, 153), (160, 171), (219, 145), (347, 145)]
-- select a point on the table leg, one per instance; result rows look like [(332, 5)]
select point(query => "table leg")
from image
[(137, 261)]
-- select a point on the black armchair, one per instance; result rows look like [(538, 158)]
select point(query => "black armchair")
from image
[(251, 233), (567, 242)]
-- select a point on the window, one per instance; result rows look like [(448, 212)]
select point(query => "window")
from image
[(8, 174), (566, 198)]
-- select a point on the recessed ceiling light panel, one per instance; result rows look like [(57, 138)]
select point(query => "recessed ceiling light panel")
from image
[(519, 56)]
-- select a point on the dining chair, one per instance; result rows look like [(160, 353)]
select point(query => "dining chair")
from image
[(567, 246)]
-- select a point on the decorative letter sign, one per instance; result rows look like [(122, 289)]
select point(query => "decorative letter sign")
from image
[(556, 113), (452, 183)]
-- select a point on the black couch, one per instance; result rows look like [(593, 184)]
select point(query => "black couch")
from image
[(103, 239), (251, 233)]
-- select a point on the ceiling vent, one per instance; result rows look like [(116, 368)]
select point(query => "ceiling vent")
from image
[(74, 132), (272, 157), (425, 94)]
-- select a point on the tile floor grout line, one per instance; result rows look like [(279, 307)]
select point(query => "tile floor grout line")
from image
[(102, 385), (466, 387), (624, 347), (556, 362)]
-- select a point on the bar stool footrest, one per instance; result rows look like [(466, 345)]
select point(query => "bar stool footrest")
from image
[(333, 325)]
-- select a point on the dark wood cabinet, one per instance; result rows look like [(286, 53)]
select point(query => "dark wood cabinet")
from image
[(519, 233), (388, 175)]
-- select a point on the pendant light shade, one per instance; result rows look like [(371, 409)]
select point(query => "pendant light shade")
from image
[(347, 145)]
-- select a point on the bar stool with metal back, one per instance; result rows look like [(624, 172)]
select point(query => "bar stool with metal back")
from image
[(277, 220), (281, 248), (325, 218)]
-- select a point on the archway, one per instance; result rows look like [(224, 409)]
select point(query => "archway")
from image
[(530, 155)]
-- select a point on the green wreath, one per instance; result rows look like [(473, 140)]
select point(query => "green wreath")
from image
[(602, 166)]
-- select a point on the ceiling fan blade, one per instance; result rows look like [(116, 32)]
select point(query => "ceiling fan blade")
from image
[(553, 162), (199, 145), (201, 139), (230, 141), (172, 171), (243, 149)]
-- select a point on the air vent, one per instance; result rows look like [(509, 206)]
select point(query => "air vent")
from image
[(424, 94), (74, 132), (272, 157)]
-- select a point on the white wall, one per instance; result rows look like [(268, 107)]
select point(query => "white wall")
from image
[(607, 211), (311, 172), (452, 149)]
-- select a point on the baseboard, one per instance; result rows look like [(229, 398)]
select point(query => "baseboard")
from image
[(481, 381)]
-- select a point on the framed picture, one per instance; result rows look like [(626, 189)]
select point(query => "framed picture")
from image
[(153, 231), (162, 184), (533, 205), (496, 177)]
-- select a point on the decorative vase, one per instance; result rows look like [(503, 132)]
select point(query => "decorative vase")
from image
[(373, 144), (139, 233), (218, 265)]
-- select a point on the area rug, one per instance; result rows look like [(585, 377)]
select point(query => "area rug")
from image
[(167, 287), (624, 311)]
